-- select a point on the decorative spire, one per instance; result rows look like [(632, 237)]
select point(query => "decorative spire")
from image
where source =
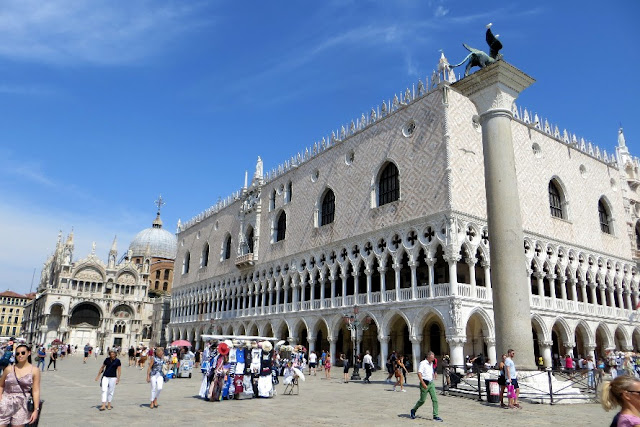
[(114, 245), (179, 226), (69, 242), (621, 140), (157, 223)]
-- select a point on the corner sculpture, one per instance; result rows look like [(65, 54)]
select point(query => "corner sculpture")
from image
[(478, 58)]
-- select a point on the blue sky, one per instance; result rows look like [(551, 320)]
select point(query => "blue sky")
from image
[(106, 104)]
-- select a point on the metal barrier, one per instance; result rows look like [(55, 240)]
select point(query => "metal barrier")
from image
[(578, 385)]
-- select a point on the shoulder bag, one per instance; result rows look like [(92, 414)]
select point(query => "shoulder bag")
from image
[(30, 405)]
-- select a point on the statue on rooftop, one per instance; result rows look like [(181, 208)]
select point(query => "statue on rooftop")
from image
[(478, 58)]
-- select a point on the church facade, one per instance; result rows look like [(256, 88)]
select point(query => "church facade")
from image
[(386, 218), (103, 304)]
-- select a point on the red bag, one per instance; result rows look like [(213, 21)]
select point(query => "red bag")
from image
[(511, 391)]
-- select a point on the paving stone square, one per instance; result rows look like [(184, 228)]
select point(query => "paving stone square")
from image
[(72, 398)]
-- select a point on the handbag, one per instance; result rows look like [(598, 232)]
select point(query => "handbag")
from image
[(511, 391), (30, 405)]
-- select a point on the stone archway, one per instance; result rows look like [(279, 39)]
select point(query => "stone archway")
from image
[(560, 333), (603, 341), (399, 335), (479, 335), (582, 339)]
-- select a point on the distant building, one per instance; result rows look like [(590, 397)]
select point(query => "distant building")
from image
[(11, 309), (389, 213), (104, 304)]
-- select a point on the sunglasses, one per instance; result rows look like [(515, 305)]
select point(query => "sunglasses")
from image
[(21, 353)]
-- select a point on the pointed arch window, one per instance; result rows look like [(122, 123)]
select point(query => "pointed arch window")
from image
[(555, 200), (281, 227), (389, 185), (185, 263), (227, 248), (328, 208), (289, 192), (205, 256), (250, 240), (272, 202), (605, 217)]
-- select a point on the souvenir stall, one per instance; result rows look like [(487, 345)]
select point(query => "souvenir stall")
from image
[(236, 366)]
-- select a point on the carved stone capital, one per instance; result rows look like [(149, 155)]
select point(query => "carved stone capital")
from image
[(416, 339), (494, 89), (547, 343), (489, 341), (457, 340)]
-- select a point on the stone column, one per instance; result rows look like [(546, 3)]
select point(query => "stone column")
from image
[(471, 262), (552, 286), (414, 285), (540, 284), (545, 349), (397, 269), (491, 350), (493, 90), (384, 351), (312, 291), (456, 349), (332, 349), (332, 279), (487, 274), (415, 351), (563, 287), (368, 272), (627, 299), (568, 348), (323, 282), (452, 260), (344, 289), (356, 285), (430, 263), (312, 344), (383, 283)]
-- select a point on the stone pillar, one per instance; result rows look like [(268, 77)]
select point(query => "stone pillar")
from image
[(563, 287), (286, 297), (552, 286), (263, 294), (397, 270), (493, 90), (312, 296), (332, 278), (487, 274), (414, 285), (384, 351), (415, 351), (383, 283), (540, 284), (332, 349), (568, 348), (344, 289), (368, 272), (323, 282), (430, 263), (491, 350), (456, 349), (592, 291), (312, 344), (627, 299), (590, 350), (356, 285), (453, 273), (545, 349), (471, 262)]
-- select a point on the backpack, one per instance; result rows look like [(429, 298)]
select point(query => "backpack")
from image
[(6, 358)]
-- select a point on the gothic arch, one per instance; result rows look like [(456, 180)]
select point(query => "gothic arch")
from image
[(563, 327), (424, 315), (541, 328), (487, 324), (586, 330), (387, 320), (622, 332)]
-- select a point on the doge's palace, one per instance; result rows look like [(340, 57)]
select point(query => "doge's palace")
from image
[(388, 213)]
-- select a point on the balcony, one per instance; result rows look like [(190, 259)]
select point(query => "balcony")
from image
[(245, 261)]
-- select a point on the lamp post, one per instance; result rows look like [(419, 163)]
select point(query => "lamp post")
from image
[(353, 325)]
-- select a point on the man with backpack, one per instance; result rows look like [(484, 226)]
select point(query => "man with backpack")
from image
[(7, 357)]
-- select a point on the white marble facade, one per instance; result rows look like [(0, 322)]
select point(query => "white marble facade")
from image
[(418, 268), (104, 304)]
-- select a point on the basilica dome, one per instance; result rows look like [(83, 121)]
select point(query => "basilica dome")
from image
[(161, 243)]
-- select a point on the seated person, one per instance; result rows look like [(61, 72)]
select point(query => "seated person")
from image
[(288, 374)]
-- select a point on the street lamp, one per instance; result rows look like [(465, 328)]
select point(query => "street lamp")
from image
[(353, 325)]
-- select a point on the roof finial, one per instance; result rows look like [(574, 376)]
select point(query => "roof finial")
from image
[(621, 141), (159, 203)]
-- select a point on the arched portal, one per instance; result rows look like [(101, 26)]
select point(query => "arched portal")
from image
[(322, 343), (370, 340), (85, 313), (399, 336)]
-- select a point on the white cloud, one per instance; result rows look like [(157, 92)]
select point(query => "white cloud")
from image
[(440, 12), (95, 32)]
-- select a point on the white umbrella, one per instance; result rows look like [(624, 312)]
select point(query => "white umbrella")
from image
[(298, 373)]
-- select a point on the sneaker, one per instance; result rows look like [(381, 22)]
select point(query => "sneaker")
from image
[(438, 419), (413, 414), (403, 391)]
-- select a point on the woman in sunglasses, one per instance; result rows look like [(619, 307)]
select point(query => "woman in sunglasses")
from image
[(624, 391), (16, 383)]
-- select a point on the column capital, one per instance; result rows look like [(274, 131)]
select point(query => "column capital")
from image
[(383, 338), (569, 345), (457, 340), (490, 341), (416, 339), (547, 343), (494, 88)]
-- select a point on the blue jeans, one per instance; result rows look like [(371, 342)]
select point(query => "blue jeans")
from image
[(40, 362)]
